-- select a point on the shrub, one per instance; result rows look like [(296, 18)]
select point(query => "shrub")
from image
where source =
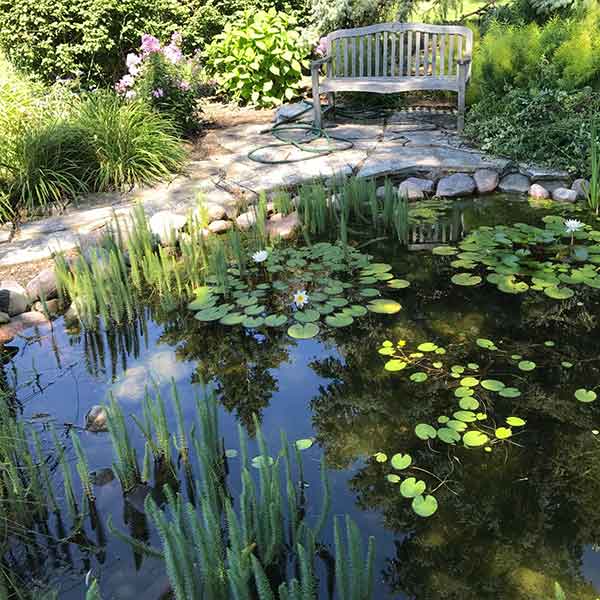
[(545, 126), (132, 143), (259, 57), (165, 78)]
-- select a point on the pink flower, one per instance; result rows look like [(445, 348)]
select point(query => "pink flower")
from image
[(124, 83), (130, 95), (321, 47), (172, 53), (184, 86), (158, 93), (132, 61), (149, 44), (176, 39)]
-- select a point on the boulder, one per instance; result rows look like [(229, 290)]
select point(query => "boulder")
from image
[(283, 227), (246, 220), (486, 180), (415, 188), (564, 195), (13, 298), (96, 420), (21, 323), (43, 285), (459, 184), (166, 225), (212, 211), (538, 191), (220, 226), (515, 183), (581, 187)]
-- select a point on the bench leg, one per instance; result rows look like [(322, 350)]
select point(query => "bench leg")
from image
[(331, 103), (462, 84), (316, 99)]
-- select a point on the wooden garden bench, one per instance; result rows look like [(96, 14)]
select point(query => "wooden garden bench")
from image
[(394, 57)]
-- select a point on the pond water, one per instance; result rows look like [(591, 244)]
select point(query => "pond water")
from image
[(510, 522)]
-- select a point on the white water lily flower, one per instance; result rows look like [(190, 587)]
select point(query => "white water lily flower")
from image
[(260, 256), (301, 298), (572, 225)]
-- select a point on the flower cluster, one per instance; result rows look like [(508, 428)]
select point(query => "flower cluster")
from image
[(163, 76), (321, 47)]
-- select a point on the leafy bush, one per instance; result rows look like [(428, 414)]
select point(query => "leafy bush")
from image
[(165, 78), (259, 57), (545, 126), (563, 54), (132, 143)]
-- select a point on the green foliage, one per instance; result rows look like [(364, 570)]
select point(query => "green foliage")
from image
[(592, 192), (544, 126), (133, 144), (259, 57)]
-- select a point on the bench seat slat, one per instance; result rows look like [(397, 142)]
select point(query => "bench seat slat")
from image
[(388, 85)]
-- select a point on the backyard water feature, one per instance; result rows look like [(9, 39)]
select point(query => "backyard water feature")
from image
[(434, 367)]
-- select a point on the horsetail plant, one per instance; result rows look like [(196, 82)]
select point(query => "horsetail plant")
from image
[(592, 191)]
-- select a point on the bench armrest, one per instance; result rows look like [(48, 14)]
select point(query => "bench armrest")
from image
[(316, 64)]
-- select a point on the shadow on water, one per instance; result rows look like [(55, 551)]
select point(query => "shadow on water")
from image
[(509, 523)]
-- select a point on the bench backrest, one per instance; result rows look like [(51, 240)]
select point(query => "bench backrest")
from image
[(398, 50)]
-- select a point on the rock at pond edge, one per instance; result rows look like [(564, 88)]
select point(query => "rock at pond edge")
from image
[(453, 186)]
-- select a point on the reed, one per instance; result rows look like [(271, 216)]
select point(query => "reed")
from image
[(592, 192)]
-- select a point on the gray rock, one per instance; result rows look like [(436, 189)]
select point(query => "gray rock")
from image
[(415, 188), (554, 184), (246, 220), (96, 420), (581, 187), (43, 285), (220, 226), (21, 323), (166, 225), (515, 183), (13, 298), (564, 195), (538, 191), (4, 318), (282, 227), (486, 180), (455, 185), (103, 476)]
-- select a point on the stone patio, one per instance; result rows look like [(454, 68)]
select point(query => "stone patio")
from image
[(406, 144)]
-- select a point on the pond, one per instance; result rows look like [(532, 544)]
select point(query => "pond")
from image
[(510, 520)]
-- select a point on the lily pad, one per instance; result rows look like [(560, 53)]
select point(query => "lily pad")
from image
[(212, 314), (425, 432), (418, 377), (584, 395), (474, 439), (275, 320), (503, 433), (448, 435), (395, 364), (516, 421), (304, 444), (466, 279), (468, 403), (412, 487), (558, 293), (303, 332), (469, 382), (393, 478), (253, 322), (384, 306), (464, 415), (401, 461), (493, 385), (510, 392), (339, 320), (424, 506), (526, 365), (380, 457), (258, 462), (308, 315), (234, 318), (398, 284), (444, 251)]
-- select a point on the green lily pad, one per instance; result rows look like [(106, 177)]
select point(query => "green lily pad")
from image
[(395, 364), (384, 306), (393, 478), (448, 435), (254, 309), (566, 364), (401, 461), (493, 385), (485, 343), (304, 444), (253, 322), (444, 251), (303, 332), (424, 506), (275, 320), (469, 382), (558, 293), (425, 432), (510, 392), (369, 292), (465, 415), (418, 377), (503, 433), (465, 279), (410, 487), (456, 425), (462, 391), (258, 462), (308, 315), (516, 421), (527, 365), (584, 395), (356, 310), (337, 302), (234, 318), (427, 347), (468, 403), (380, 457), (474, 439), (443, 419), (212, 314), (339, 320), (398, 284)]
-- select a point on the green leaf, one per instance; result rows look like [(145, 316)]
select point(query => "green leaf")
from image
[(425, 432), (395, 364), (448, 435), (410, 487), (427, 347), (510, 392), (516, 421), (503, 433), (474, 439), (383, 306), (418, 377), (401, 461), (466, 279), (304, 444), (584, 395), (468, 403), (380, 457), (493, 385), (303, 332), (527, 365), (393, 478), (424, 506), (444, 251)]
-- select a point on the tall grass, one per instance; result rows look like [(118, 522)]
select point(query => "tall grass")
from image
[(592, 192), (133, 144)]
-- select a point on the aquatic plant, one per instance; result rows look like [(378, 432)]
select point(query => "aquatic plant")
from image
[(323, 285), (592, 191), (563, 255)]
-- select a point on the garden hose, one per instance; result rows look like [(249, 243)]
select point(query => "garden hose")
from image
[(313, 133)]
